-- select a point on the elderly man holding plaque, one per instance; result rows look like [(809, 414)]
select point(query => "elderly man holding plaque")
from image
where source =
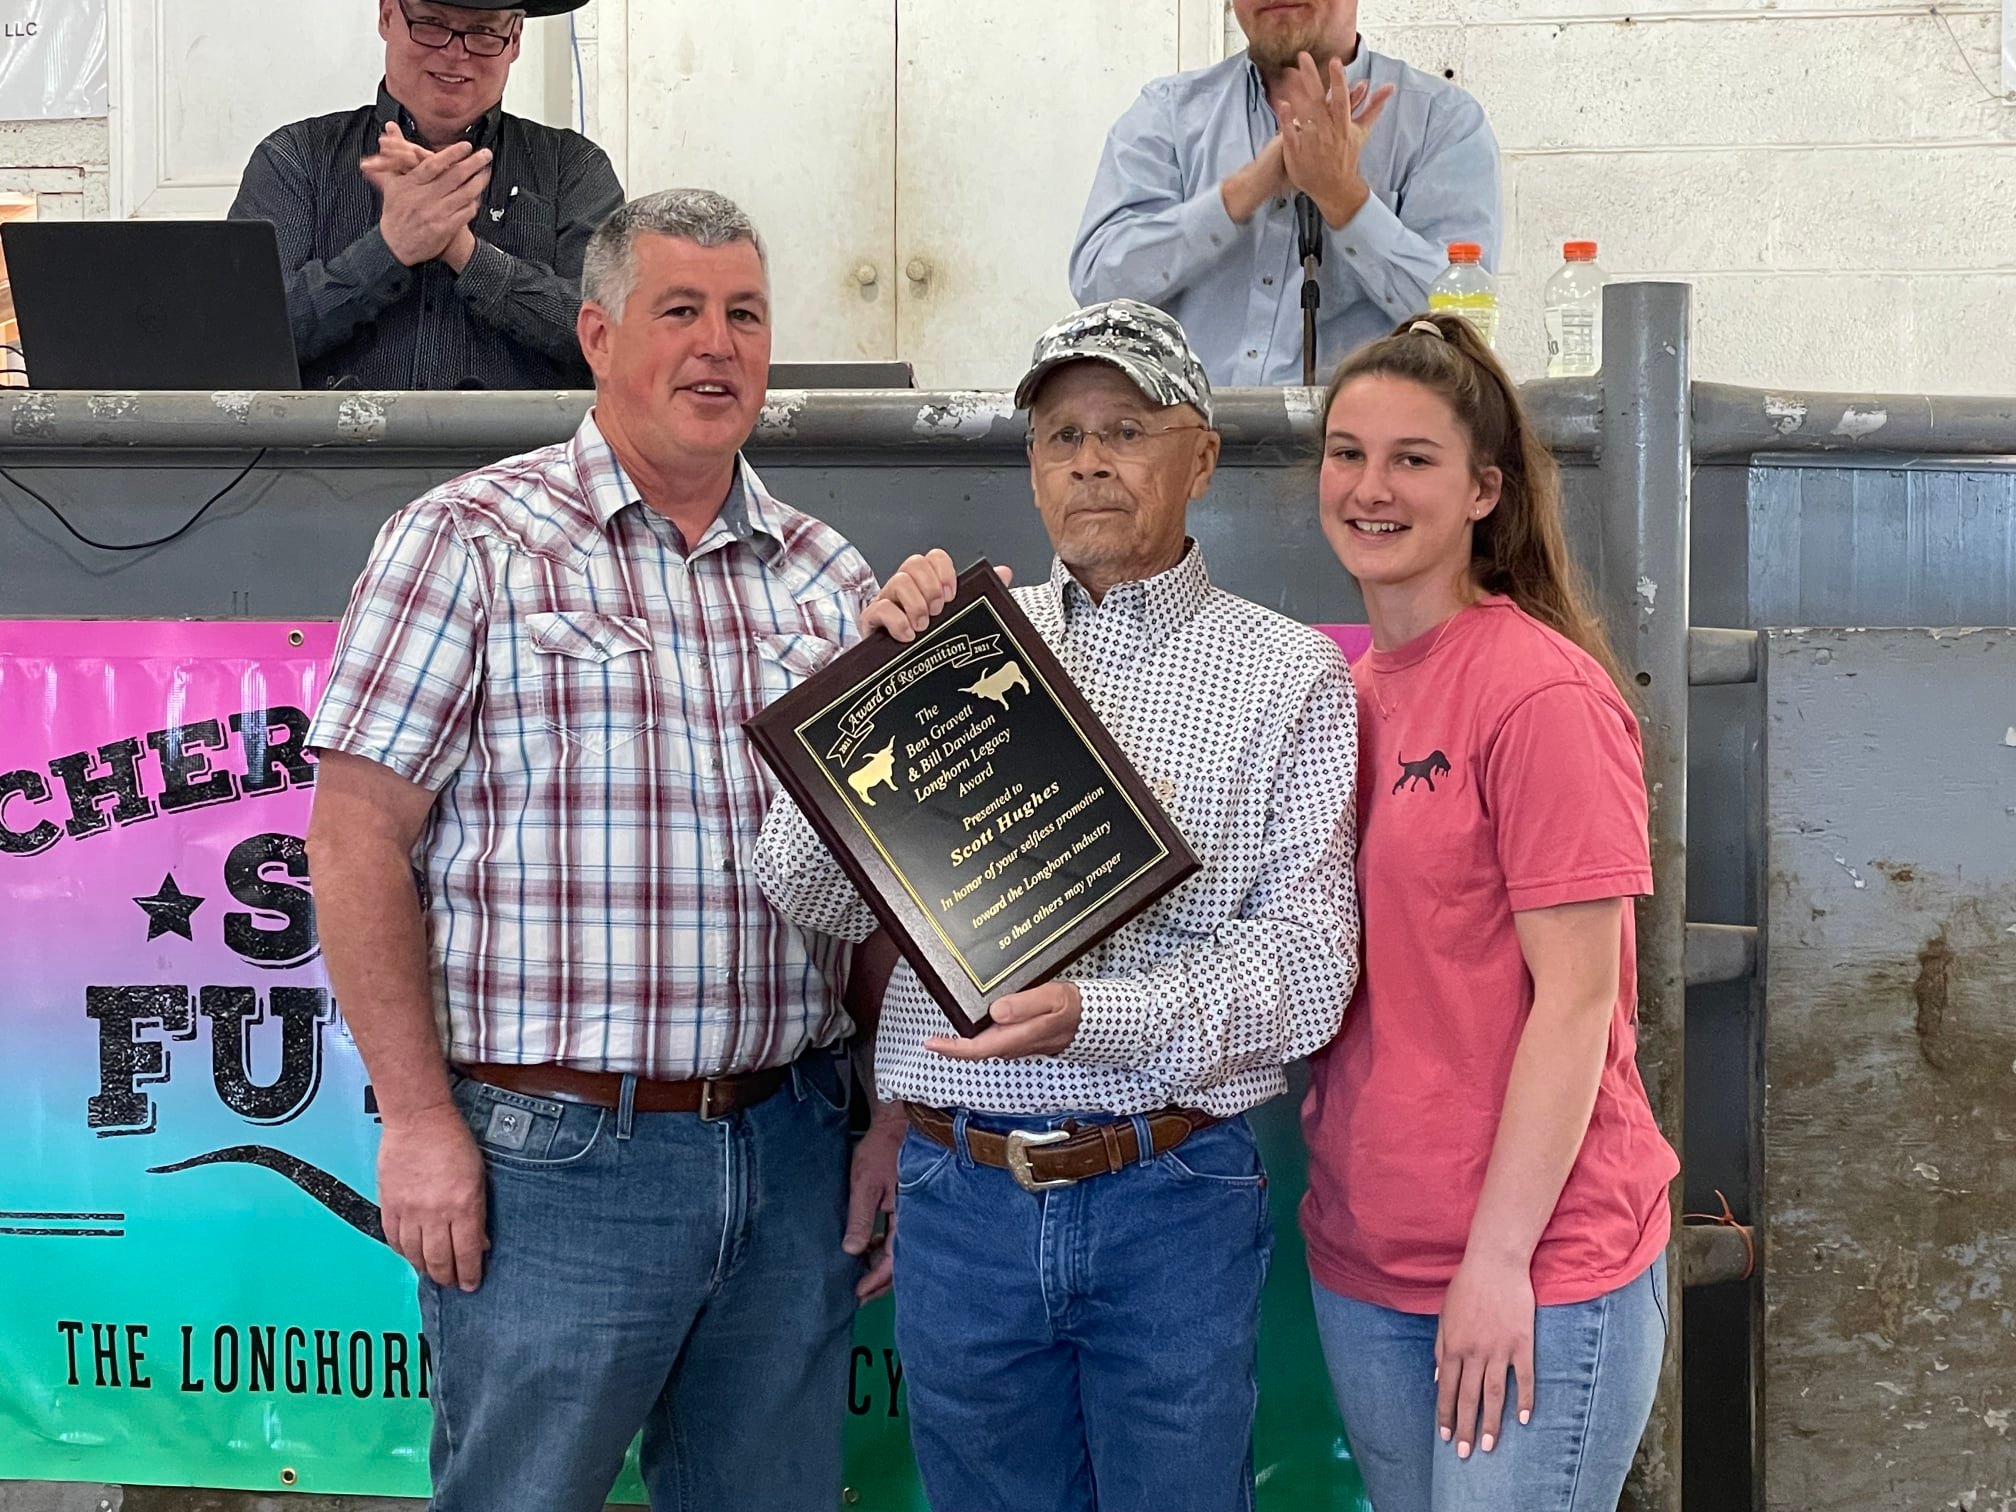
[(1084, 1226)]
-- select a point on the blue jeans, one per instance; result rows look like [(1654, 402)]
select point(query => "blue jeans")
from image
[(649, 1270), (1089, 1346), (1596, 1370)]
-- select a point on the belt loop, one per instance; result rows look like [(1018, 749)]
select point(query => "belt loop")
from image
[(1144, 1142), (1109, 1138), (797, 1082), (959, 1118), (626, 1106)]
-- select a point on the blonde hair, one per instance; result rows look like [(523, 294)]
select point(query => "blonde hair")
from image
[(1519, 549)]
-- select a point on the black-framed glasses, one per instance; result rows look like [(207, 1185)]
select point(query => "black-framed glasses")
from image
[(1123, 440), (478, 44)]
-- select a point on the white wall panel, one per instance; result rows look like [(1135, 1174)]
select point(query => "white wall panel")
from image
[(1002, 111), (789, 110)]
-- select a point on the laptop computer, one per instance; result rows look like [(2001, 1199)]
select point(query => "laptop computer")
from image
[(145, 304)]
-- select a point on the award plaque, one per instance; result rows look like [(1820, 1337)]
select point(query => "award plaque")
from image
[(973, 799)]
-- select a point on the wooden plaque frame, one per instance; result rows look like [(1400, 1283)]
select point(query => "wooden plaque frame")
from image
[(812, 736)]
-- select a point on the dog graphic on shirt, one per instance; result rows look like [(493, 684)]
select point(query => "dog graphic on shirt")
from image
[(1427, 769)]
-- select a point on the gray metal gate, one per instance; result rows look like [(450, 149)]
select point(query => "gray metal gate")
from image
[(1889, 1137)]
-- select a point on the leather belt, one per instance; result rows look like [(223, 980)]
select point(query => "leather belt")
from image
[(710, 1097), (1040, 1159)]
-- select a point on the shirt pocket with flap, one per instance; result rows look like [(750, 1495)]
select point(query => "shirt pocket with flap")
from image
[(528, 228), (598, 686), (784, 661)]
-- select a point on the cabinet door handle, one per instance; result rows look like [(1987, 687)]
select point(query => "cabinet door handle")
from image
[(866, 274), (919, 270)]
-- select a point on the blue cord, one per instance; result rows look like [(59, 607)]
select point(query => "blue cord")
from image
[(580, 82)]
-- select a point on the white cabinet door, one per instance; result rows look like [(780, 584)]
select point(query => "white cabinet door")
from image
[(1003, 110), (785, 108), (196, 84)]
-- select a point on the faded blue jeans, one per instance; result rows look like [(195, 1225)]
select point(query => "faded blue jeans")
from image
[(1087, 1347), (1596, 1371), (650, 1271)]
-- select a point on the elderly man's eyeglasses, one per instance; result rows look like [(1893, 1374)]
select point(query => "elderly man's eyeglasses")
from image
[(1124, 440), (478, 44)]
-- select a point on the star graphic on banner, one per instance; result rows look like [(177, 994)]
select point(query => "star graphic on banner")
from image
[(168, 910)]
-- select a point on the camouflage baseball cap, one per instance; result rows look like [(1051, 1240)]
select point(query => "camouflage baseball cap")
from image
[(1143, 342)]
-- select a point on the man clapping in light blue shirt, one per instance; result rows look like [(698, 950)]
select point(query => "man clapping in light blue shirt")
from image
[(1194, 205)]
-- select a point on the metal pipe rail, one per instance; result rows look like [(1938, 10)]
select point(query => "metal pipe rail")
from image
[(1645, 468), (1727, 422), (1720, 953), (1717, 658), (1732, 424), (982, 425)]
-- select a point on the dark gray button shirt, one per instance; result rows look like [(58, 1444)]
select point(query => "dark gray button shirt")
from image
[(363, 320)]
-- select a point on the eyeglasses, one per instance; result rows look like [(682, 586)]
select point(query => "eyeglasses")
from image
[(478, 44), (1124, 440)]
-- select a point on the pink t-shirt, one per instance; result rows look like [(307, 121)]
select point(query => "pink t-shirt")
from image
[(1498, 771)]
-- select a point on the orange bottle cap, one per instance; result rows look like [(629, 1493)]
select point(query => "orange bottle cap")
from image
[(1465, 252), (1579, 251)]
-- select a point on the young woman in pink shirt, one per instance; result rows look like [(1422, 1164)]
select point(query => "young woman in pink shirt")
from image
[(1487, 1212)]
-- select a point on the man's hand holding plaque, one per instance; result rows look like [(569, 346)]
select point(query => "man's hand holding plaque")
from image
[(1041, 1021), (916, 593)]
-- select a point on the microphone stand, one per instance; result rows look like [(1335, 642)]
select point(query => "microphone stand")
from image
[(1309, 238)]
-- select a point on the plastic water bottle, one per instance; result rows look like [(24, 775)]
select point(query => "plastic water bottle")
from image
[(1467, 288), (1575, 314)]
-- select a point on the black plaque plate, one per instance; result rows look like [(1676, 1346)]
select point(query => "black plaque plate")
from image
[(974, 799)]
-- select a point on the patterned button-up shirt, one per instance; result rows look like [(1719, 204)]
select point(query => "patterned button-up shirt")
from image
[(544, 651), (1245, 721), (362, 319)]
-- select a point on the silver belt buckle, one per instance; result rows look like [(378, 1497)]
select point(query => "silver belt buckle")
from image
[(1019, 1141), (708, 1114)]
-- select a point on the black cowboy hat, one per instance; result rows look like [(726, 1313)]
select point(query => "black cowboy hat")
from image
[(532, 8)]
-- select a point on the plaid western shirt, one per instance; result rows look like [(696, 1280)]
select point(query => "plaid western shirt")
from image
[(545, 652)]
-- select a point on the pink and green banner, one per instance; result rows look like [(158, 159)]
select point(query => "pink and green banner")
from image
[(193, 1290)]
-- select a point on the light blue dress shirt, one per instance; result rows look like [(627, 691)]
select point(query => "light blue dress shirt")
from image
[(1155, 228)]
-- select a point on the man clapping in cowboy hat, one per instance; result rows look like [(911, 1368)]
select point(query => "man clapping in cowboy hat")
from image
[(430, 239)]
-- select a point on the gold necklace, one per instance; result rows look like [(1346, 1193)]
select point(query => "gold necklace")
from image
[(1386, 712)]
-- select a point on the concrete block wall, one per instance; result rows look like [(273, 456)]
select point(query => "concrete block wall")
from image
[(1837, 181)]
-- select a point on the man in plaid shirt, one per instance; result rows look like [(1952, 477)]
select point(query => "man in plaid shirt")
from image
[(615, 1143)]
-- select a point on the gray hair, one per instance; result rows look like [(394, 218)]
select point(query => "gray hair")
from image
[(707, 219)]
